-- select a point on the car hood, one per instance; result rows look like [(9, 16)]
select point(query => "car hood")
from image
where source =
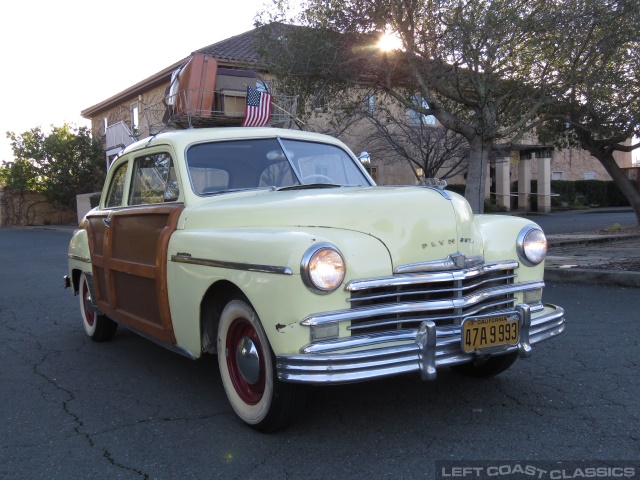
[(416, 224)]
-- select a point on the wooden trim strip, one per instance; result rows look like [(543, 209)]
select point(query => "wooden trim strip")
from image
[(161, 270)]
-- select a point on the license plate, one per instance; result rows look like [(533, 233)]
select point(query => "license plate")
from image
[(491, 332)]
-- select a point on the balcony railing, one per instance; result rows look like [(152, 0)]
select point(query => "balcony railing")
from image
[(118, 135), (208, 108)]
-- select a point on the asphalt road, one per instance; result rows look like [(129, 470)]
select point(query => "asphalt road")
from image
[(129, 409)]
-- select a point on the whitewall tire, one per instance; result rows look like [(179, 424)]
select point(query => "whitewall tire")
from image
[(247, 370), (99, 327)]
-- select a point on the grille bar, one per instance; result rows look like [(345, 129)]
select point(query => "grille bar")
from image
[(455, 319), (436, 277), (363, 313), (404, 293)]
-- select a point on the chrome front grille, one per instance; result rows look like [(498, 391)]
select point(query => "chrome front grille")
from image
[(404, 301), (412, 322)]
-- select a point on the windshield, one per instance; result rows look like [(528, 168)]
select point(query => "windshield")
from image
[(219, 167)]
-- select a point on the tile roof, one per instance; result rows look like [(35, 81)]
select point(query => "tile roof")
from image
[(237, 49), (242, 48)]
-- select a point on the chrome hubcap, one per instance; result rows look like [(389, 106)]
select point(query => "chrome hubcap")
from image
[(88, 304), (248, 360)]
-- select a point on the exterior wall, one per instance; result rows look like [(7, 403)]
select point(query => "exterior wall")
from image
[(149, 113), (575, 165), (122, 113), (83, 204), (32, 209)]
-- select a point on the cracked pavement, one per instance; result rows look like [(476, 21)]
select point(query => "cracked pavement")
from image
[(128, 409)]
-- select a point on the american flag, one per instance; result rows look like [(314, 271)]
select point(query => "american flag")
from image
[(258, 110)]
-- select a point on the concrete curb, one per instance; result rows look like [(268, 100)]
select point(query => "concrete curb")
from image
[(560, 240), (55, 228), (587, 276)]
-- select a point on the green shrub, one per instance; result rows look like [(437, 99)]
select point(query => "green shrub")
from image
[(574, 194), (94, 200), (457, 187), (587, 192)]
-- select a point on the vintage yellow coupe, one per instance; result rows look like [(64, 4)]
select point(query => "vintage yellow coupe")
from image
[(276, 251)]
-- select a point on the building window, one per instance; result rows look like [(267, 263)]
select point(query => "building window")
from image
[(262, 86), (373, 172), (369, 103), (557, 175), (105, 122), (135, 123), (320, 102), (417, 118), (589, 175)]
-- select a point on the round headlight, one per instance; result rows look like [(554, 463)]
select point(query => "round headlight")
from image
[(532, 245), (322, 268)]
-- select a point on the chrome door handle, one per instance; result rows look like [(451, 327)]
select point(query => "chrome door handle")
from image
[(106, 222)]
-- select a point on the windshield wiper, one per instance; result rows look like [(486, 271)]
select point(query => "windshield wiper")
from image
[(305, 186), (228, 190)]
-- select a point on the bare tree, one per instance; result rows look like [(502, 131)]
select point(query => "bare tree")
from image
[(431, 150)]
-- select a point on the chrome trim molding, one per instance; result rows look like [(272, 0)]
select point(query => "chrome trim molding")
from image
[(461, 288), (384, 354), (426, 340), (455, 261), (187, 258), (418, 278), (415, 307), (525, 345), (79, 258)]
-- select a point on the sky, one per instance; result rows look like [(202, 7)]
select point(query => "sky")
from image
[(61, 57)]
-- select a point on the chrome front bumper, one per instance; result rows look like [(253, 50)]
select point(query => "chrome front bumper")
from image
[(378, 355)]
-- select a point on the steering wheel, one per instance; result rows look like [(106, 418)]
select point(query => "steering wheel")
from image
[(319, 177)]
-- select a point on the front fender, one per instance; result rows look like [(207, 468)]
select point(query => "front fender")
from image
[(279, 297), (79, 256), (499, 235)]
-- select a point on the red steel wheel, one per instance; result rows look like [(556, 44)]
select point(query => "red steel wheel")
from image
[(247, 370)]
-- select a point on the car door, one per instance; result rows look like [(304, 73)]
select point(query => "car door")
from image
[(129, 239)]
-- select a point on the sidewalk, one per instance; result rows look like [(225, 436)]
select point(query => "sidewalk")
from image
[(594, 258)]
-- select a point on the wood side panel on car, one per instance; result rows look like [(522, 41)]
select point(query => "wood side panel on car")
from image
[(96, 231), (131, 273)]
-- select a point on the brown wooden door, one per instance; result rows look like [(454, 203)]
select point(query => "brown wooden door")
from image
[(129, 254)]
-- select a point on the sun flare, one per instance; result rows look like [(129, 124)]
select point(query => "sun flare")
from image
[(389, 41)]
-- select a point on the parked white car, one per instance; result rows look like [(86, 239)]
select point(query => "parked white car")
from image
[(275, 250)]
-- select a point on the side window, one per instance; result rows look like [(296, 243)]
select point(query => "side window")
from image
[(116, 189), (154, 180)]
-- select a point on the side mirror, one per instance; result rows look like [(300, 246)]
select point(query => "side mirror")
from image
[(364, 158)]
